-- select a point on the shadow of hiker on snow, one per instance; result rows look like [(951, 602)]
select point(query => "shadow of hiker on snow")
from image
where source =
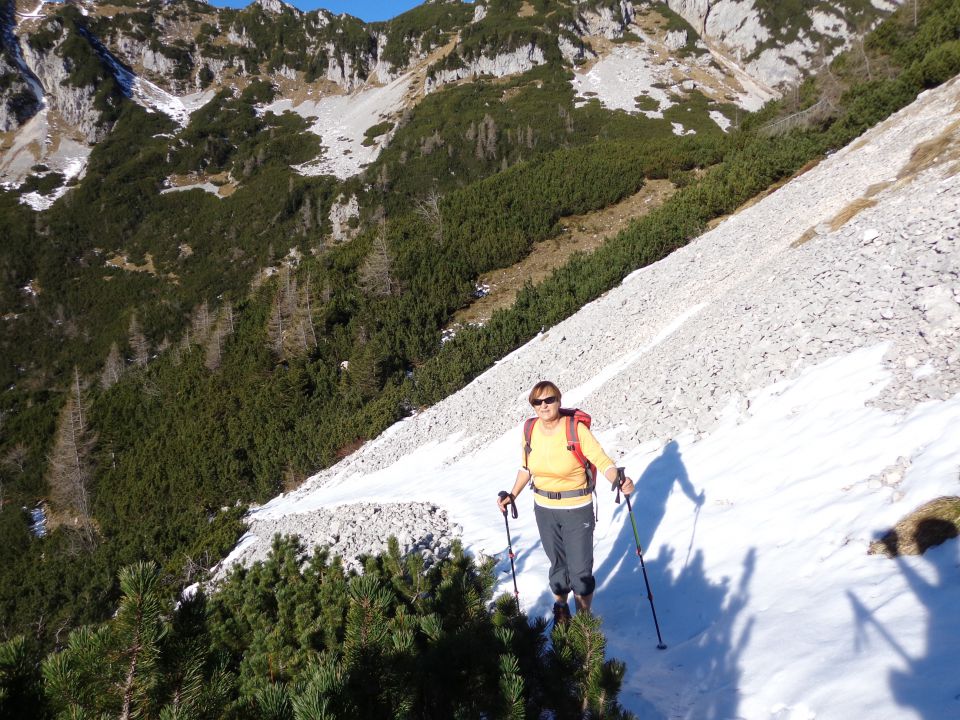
[(928, 683), (698, 674)]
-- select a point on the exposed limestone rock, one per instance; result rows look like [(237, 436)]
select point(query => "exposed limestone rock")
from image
[(341, 212), (773, 55), (573, 52), (21, 96), (675, 39), (18, 102), (519, 61), (607, 21), (277, 7), (75, 104)]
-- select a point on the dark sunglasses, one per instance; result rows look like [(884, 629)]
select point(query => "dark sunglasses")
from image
[(548, 400)]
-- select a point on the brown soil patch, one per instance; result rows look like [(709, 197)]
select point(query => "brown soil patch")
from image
[(415, 91), (578, 233), (298, 91), (526, 10), (120, 261), (226, 185)]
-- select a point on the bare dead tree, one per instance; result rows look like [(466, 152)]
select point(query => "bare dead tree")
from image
[(306, 313), (428, 208), (226, 311), (216, 337), (375, 273), (69, 468), (213, 351), (16, 457), (200, 322), (277, 324), (112, 368), (138, 343)]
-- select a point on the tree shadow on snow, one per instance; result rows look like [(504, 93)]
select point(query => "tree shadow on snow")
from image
[(928, 683), (697, 676)]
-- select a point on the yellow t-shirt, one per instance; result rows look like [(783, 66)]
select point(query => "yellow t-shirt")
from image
[(556, 469)]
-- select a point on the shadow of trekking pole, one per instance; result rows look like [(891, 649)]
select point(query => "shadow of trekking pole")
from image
[(636, 536)]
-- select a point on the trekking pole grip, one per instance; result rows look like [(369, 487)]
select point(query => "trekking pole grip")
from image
[(513, 505)]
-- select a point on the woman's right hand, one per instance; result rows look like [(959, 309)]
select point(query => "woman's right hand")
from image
[(503, 500)]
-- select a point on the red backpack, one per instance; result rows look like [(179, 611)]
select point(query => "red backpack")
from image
[(572, 416)]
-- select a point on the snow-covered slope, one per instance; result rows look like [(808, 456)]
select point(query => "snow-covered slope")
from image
[(783, 390)]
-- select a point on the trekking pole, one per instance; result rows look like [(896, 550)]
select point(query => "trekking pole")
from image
[(636, 536), (513, 570)]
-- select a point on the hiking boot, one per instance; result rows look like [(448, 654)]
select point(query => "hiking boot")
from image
[(561, 613)]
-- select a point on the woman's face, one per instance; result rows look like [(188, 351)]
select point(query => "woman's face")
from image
[(547, 411)]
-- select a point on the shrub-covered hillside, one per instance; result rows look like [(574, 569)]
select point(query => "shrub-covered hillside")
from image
[(170, 357)]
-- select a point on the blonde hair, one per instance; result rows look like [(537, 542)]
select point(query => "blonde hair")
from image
[(540, 387)]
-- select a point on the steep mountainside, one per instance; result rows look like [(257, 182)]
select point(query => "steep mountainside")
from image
[(67, 67), (783, 389), (234, 243)]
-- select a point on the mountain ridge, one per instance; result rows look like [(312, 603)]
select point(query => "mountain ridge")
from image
[(189, 47)]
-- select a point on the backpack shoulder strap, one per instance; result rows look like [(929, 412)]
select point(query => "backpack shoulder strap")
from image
[(573, 441), (527, 434)]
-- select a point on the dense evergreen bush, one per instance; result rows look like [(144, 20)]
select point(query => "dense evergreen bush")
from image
[(297, 637)]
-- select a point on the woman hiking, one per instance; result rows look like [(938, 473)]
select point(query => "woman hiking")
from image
[(562, 497)]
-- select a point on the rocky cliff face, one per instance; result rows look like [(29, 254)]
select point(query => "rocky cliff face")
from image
[(779, 50), (67, 91), (20, 94), (512, 63)]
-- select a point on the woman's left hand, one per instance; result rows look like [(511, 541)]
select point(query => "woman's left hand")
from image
[(612, 475)]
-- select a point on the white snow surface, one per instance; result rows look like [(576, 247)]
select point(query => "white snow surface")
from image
[(779, 407), (341, 120), (153, 97), (634, 69)]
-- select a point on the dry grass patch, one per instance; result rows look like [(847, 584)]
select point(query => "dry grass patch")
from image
[(877, 188), (807, 236), (121, 261), (929, 525), (579, 233), (526, 10), (939, 150), (850, 212)]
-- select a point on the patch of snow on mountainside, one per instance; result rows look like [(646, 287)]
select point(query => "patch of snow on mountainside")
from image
[(73, 170), (177, 108), (152, 96), (342, 120), (619, 78), (631, 70), (783, 390), (36, 143)]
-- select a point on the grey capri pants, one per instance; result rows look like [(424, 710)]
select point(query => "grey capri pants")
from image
[(567, 537)]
